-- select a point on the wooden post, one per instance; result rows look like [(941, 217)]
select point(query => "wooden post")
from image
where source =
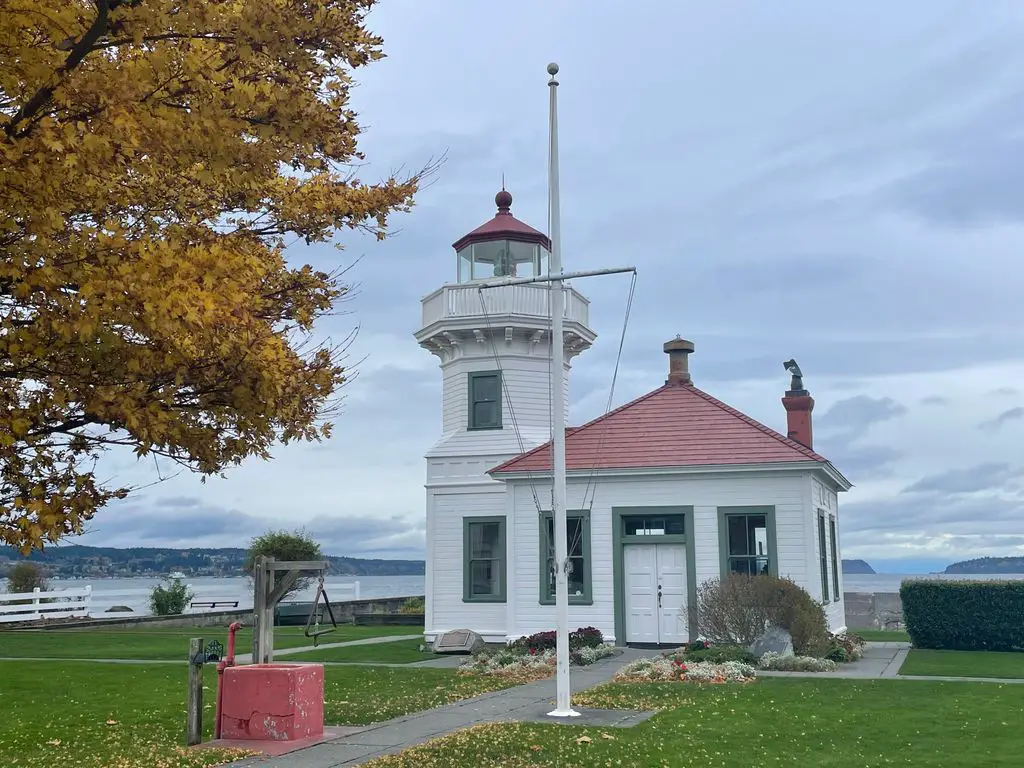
[(267, 592), (268, 612), (195, 691), (259, 596)]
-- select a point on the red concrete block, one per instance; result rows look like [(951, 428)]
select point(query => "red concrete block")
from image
[(273, 702)]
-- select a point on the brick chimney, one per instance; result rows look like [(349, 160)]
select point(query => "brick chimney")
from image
[(678, 351), (798, 404)]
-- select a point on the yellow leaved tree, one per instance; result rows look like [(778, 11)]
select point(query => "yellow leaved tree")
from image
[(156, 157)]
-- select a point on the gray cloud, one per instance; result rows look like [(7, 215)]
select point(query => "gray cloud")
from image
[(859, 412), (1005, 391), (932, 516), (1012, 414), (196, 524), (782, 213), (855, 462), (982, 477)]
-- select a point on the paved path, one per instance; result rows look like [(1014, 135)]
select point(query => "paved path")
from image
[(524, 702), (246, 658), (880, 660)]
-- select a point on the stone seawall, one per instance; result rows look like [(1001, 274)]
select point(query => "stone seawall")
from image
[(877, 610), (344, 613)]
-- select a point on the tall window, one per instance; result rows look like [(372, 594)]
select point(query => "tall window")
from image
[(483, 566), (485, 400), (747, 549), (823, 557), (577, 533), (835, 559)]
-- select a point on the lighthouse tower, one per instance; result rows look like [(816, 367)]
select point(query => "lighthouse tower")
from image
[(494, 348)]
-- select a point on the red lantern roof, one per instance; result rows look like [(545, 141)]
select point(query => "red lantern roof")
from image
[(504, 226)]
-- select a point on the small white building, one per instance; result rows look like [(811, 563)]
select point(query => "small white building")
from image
[(665, 492)]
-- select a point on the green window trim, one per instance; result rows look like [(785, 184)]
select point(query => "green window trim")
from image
[(823, 557), (725, 514), (467, 561), (477, 398), (835, 558), (546, 518)]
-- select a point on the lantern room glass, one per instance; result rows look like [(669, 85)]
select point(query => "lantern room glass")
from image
[(501, 258)]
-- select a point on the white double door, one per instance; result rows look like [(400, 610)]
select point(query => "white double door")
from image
[(655, 587)]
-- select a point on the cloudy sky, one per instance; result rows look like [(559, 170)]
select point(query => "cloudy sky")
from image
[(842, 183)]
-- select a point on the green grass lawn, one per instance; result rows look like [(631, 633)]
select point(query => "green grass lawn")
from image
[(160, 643), (773, 722), (963, 664), (881, 635), (88, 715), (398, 652)]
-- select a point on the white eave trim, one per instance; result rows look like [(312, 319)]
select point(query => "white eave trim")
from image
[(780, 466)]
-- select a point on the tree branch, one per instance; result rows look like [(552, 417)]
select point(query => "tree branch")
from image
[(75, 56)]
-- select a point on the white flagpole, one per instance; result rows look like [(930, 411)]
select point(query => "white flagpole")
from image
[(563, 701)]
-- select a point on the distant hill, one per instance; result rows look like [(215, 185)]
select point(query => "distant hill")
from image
[(988, 565), (81, 562), (857, 567)]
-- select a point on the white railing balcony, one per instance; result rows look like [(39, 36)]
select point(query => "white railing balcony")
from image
[(527, 300)]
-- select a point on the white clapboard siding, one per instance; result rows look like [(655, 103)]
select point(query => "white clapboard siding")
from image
[(69, 603)]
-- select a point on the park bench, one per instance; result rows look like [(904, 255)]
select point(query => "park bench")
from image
[(226, 603)]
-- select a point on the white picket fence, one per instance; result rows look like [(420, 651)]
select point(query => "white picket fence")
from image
[(61, 604)]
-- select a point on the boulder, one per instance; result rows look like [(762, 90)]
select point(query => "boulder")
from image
[(774, 639), (459, 641)]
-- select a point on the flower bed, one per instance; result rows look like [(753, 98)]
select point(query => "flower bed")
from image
[(663, 669), (701, 650), (845, 648), (777, 662), (534, 657)]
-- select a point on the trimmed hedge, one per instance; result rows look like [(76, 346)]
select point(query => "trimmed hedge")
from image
[(964, 615)]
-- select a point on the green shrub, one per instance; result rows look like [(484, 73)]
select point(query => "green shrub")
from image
[(413, 605), (583, 637), (736, 610), (719, 654), (170, 600), (964, 615), (845, 648), (26, 576), (285, 545)]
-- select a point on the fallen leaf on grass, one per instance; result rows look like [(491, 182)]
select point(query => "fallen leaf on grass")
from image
[(54, 742), (607, 736), (111, 722), (584, 740)]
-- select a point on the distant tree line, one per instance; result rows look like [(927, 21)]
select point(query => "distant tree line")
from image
[(71, 561)]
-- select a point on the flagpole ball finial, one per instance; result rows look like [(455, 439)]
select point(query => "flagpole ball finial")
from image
[(552, 69)]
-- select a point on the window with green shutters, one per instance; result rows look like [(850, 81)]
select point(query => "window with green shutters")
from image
[(485, 400), (835, 559), (483, 559), (823, 557), (577, 532)]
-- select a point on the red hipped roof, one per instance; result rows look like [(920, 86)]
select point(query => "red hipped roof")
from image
[(676, 425)]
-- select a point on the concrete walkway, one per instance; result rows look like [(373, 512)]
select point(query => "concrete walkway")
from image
[(246, 658), (880, 660), (528, 702)]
